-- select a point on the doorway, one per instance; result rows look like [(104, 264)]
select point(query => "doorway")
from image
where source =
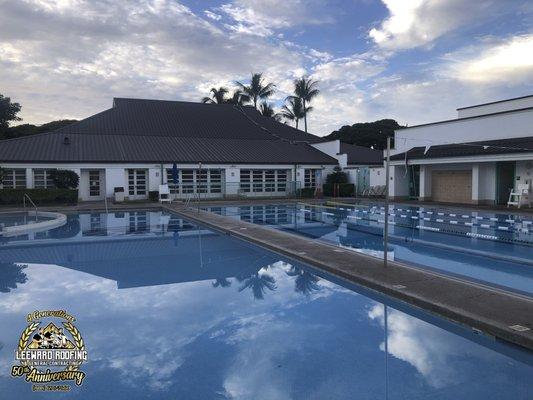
[(505, 177), (137, 184), (414, 182)]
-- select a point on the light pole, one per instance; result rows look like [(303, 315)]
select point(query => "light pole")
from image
[(386, 228)]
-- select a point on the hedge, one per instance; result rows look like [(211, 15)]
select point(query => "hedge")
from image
[(344, 189), (153, 195), (306, 192), (39, 196)]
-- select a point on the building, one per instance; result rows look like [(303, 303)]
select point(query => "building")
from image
[(474, 159), (363, 165), (209, 150)]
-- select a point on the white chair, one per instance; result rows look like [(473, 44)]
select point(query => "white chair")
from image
[(522, 192), (164, 194)]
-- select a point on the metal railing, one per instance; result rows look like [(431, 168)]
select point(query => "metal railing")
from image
[(26, 196)]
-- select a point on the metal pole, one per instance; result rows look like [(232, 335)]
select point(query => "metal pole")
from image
[(386, 229)]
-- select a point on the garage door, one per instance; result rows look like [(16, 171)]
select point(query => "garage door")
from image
[(451, 186)]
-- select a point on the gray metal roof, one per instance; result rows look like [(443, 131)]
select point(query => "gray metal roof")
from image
[(486, 147), (136, 130), (359, 155)]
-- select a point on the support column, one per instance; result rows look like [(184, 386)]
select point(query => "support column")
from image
[(475, 184), (425, 183)]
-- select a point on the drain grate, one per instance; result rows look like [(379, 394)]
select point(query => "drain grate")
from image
[(519, 328), (399, 286)]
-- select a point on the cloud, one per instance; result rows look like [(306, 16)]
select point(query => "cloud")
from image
[(79, 55), (263, 17), (416, 23), (509, 61)]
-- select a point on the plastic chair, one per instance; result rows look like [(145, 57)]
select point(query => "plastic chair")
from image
[(522, 192), (164, 194)]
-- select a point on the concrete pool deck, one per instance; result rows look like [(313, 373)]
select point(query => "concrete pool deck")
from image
[(490, 311)]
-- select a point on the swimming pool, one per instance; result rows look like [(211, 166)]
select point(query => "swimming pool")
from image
[(466, 244), (169, 309), (20, 218)]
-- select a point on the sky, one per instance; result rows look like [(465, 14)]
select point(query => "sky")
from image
[(415, 61)]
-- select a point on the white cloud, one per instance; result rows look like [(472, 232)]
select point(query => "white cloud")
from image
[(263, 17), (412, 23), (81, 55), (509, 61)]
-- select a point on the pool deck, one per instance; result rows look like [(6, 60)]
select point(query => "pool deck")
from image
[(486, 310)]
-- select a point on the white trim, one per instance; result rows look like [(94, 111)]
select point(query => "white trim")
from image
[(466, 159)]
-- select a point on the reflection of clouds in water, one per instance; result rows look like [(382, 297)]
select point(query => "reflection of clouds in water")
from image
[(429, 349), (162, 320)]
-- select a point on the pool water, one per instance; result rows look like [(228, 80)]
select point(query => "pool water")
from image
[(14, 219), (497, 257), (172, 310)]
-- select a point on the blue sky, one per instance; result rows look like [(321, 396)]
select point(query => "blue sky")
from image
[(412, 60)]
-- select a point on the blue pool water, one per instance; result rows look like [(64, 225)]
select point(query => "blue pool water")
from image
[(13, 219), (419, 236), (170, 310)]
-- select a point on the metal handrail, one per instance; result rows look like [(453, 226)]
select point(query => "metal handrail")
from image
[(31, 201)]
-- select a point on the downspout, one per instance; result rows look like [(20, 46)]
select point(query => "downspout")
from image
[(162, 174)]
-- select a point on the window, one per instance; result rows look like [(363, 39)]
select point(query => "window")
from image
[(187, 179), (174, 188), (281, 180), (94, 183), (14, 178), (201, 181), (42, 179), (310, 178), (270, 180), (257, 179), (215, 180), (245, 180)]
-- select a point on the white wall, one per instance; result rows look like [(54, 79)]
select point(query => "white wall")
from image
[(515, 104), (116, 175), (515, 124), (399, 182), (487, 183), (524, 172), (377, 176)]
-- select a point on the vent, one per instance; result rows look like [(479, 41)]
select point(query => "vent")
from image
[(66, 141)]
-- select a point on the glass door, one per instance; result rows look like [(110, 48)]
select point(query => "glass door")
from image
[(137, 184), (94, 183)]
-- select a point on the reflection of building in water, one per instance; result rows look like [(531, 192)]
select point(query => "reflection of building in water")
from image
[(185, 254), (96, 224)]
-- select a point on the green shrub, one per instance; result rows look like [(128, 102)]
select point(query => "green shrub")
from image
[(344, 189), (39, 196), (338, 176), (153, 195), (65, 179), (306, 192)]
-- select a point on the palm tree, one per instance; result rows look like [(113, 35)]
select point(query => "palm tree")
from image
[(266, 109), (238, 98), (305, 282), (221, 282), (11, 274), (293, 109), (218, 96), (258, 283), (306, 90), (257, 89)]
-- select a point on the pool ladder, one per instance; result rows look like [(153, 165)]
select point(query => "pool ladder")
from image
[(26, 196)]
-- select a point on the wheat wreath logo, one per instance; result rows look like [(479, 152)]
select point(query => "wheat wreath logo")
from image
[(50, 349)]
